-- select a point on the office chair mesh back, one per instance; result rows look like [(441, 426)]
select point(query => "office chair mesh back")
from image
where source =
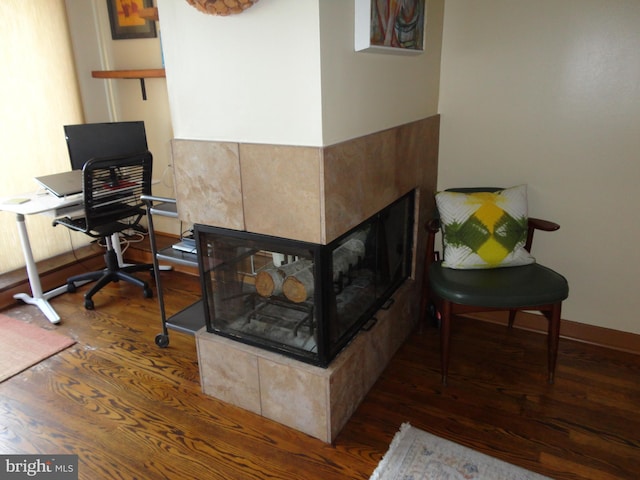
[(112, 190)]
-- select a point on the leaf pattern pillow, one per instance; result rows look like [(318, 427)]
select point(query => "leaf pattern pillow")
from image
[(484, 229)]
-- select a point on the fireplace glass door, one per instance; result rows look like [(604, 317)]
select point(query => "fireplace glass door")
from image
[(301, 299)]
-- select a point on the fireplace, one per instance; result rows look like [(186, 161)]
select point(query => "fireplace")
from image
[(312, 194), (301, 299)]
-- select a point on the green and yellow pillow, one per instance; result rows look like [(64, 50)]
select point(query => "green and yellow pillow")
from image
[(484, 229)]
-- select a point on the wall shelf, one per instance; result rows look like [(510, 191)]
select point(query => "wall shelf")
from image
[(140, 74), (143, 73)]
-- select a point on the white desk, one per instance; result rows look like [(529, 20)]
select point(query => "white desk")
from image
[(45, 204)]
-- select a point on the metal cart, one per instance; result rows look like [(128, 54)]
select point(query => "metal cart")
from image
[(190, 319)]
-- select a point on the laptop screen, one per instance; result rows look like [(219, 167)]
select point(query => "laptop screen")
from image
[(99, 140)]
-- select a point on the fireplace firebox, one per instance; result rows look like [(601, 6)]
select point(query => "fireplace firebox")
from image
[(301, 299)]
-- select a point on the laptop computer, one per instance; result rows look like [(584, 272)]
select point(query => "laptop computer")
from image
[(62, 184)]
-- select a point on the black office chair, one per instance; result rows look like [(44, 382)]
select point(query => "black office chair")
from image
[(451, 291), (112, 188)]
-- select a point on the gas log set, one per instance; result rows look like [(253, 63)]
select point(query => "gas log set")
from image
[(301, 299), (296, 280)]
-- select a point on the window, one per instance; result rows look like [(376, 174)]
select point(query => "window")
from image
[(38, 95)]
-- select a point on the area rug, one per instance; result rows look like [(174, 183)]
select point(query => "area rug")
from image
[(23, 345), (418, 455)]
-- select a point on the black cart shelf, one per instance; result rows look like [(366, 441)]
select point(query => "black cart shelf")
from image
[(190, 319)]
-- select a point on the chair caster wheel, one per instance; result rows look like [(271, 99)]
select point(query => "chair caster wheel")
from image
[(71, 287), (148, 293), (88, 304), (162, 340)]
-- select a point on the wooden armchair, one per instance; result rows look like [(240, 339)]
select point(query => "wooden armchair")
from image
[(448, 292)]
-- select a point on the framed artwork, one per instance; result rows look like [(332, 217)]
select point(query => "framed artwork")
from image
[(390, 26), (126, 22)]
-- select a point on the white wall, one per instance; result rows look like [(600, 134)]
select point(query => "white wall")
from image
[(285, 72), (252, 77), (367, 92), (548, 93)]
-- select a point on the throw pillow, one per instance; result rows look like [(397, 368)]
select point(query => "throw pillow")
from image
[(484, 229)]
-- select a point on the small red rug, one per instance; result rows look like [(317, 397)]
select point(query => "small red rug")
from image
[(23, 345)]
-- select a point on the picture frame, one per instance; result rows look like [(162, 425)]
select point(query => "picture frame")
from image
[(390, 26), (126, 23)]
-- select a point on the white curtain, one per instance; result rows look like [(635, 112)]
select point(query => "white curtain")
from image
[(38, 95)]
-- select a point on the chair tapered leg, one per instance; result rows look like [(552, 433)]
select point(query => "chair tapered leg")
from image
[(553, 338), (445, 331), (423, 307), (425, 297)]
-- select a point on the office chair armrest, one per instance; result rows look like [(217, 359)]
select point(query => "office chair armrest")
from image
[(154, 198)]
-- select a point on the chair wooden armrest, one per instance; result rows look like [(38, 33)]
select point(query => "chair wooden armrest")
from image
[(538, 224), (432, 227), (545, 225)]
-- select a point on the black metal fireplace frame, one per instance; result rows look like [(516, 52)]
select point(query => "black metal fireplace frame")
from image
[(322, 256)]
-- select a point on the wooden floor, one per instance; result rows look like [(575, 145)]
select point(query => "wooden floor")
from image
[(131, 410)]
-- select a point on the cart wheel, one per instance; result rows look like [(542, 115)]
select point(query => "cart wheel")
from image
[(71, 287), (88, 304), (162, 340), (148, 293)]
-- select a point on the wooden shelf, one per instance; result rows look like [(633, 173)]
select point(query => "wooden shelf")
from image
[(135, 74), (132, 74)]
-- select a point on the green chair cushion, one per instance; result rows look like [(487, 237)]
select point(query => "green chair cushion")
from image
[(513, 287)]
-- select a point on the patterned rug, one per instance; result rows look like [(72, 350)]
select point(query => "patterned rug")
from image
[(23, 345), (418, 455)]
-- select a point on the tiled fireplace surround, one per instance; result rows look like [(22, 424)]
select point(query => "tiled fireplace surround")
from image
[(313, 194)]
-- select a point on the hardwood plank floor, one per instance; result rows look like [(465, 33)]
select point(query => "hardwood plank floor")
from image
[(131, 410)]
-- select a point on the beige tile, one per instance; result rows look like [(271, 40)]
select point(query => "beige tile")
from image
[(295, 397), (378, 346), (281, 190), (208, 183), (228, 372), (348, 385), (310, 399), (362, 176), (391, 330), (304, 193)]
